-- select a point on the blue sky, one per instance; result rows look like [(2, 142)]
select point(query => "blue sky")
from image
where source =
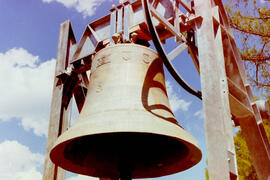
[(29, 32)]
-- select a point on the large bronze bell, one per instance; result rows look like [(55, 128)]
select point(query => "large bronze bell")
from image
[(126, 124)]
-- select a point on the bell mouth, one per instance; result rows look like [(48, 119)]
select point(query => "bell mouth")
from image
[(143, 155)]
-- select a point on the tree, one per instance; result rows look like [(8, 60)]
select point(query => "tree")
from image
[(246, 170), (251, 21), (206, 174)]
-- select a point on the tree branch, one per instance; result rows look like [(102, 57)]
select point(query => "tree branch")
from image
[(255, 58), (265, 17), (261, 18), (235, 26), (261, 84)]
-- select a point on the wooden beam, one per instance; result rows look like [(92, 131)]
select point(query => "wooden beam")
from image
[(249, 120), (176, 51), (248, 116), (228, 129), (256, 146), (167, 24), (186, 5), (224, 16), (59, 116), (192, 52), (213, 86), (106, 27)]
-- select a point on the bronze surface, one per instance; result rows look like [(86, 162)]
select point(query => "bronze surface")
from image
[(126, 121)]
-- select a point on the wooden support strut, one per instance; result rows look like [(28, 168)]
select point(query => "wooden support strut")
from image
[(61, 98), (214, 100), (250, 123), (224, 88), (224, 92), (218, 38), (60, 114)]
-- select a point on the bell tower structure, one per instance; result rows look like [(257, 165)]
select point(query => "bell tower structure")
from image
[(124, 102)]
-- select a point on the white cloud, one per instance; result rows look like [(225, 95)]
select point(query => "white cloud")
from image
[(18, 162), (26, 89), (86, 7), (81, 177), (196, 127), (264, 2), (28, 175), (47, 1), (175, 101), (199, 114)]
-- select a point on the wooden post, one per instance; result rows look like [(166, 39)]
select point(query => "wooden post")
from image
[(214, 100), (59, 116), (215, 96), (256, 147), (251, 126), (218, 100), (224, 89)]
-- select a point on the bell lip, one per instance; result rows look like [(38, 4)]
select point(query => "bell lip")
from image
[(168, 129), (193, 158)]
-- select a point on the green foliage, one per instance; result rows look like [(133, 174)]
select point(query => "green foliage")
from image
[(251, 21), (246, 170), (206, 174)]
